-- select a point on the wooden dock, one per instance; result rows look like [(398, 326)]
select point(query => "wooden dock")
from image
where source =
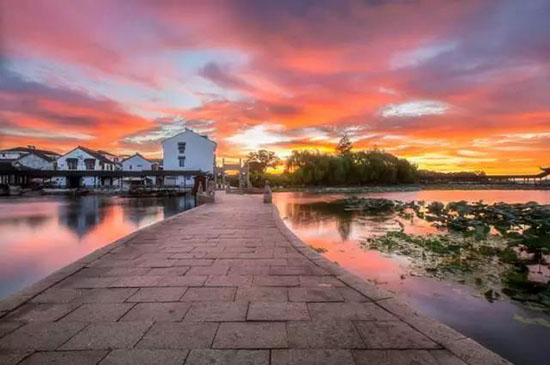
[(224, 283)]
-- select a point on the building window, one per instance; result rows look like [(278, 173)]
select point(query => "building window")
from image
[(90, 163), (181, 160), (130, 167), (72, 163), (181, 147)]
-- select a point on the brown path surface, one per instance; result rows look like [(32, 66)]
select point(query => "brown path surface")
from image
[(222, 283)]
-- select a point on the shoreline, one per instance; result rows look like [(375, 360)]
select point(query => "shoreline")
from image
[(411, 187), (312, 190)]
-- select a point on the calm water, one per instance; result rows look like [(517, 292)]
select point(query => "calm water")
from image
[(41, 235), (505, 327)]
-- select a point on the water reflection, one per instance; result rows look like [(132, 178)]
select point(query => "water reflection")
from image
[(503, 326), (41, 235)]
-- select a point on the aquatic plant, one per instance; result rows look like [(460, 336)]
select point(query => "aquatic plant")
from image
[(489, 246)]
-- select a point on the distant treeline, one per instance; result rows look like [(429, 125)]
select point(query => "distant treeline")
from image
[(425, 176), (347, 168)]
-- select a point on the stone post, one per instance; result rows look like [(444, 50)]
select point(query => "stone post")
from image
[(267, 193)]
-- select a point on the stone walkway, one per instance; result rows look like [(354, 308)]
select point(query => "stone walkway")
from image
[(226, 283)]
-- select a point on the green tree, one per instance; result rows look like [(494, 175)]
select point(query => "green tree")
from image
[(344, 145), (261, 160)]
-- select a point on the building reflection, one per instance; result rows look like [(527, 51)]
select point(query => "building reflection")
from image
[(81, 215)]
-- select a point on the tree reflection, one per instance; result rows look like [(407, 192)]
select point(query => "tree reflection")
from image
[(320, 213)]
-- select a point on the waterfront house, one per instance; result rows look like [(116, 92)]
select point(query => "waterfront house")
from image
[(111, 157), (138, 163), (18, 152), (35, 160), (85, 159), (188, 151)]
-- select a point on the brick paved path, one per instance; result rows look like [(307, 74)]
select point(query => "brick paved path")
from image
[(223, 283)]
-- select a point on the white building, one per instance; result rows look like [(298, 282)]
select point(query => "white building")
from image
[(138, 163), (85, 159), (17, 152), (188, 151), (36, 161)]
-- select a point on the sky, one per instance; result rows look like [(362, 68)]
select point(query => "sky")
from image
[(450, 85)]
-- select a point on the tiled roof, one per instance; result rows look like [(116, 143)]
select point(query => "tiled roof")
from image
[(29, 150)]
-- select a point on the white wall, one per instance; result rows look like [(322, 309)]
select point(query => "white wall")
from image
[(80, 155), (11, 155), (199, 152), (35, 162), (136, 163)]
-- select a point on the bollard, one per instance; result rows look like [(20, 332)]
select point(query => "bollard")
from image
[(267, 193)]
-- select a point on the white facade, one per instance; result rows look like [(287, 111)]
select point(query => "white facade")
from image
[(34, 161), (18, 152), (189, 151), (11, 155), (83, 159), (136, 163)]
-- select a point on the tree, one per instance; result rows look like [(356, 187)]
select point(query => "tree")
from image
[(261, 160), (344, 145)]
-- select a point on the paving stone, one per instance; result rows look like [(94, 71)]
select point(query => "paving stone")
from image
[(241, 357), (186, 280), (107, 335), (311, 357), (174, 311), (209, 294), (136, 281), (267, 280), (229, 280), (447, 358), (59, 296), (392, 335), (167, 271), (165, 294), (65, 357), (179, 335), (314, 295), (98, 312), (194, 262), (327, 334), (473, 353), (320, 281), (84, 283), (349, 311), (125, 271), (209, 270), (157, 263), (13, 356), (249, 270), (8, 326), (399, 357), (251, 335), (352, 295), (274, 311), (297, 270), (262, 294), (217, 311), (40, 312), (145, 357), (106, 295), (40, 335)]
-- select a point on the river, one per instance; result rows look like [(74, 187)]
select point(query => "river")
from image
[(508, 328), (42, 234)]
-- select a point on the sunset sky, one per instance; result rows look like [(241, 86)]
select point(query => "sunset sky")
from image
[(450, 85)]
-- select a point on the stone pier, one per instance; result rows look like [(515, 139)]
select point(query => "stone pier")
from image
[(224, 283)]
